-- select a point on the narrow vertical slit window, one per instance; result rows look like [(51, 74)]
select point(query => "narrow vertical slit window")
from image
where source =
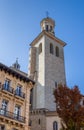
[(55, 84), (57, 51), (39, 121), (51, 48), (31, 98), (40, 48)]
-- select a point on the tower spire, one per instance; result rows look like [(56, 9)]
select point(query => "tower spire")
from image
[(47, 14)]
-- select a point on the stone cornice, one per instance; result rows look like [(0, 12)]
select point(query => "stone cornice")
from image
[(50, 36), (9, 70)]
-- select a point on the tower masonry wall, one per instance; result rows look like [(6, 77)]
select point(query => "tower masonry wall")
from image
[(54, 72), (39, 90)]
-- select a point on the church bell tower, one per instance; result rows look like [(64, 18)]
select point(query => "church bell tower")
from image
[(46, 65)]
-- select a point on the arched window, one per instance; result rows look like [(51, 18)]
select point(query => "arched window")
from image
[(55, 125), (57, 51), (51, 48), (40, 48)]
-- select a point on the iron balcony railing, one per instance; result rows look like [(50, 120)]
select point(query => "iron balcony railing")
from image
[(7, 88), (11, 115), (11, 90), (21, 94)]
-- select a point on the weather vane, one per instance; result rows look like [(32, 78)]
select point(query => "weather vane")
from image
[(47, 14)]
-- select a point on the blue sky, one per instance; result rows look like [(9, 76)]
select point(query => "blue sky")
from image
[(20, 24)]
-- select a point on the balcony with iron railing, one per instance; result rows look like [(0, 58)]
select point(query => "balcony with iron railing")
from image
[(11, 115), (7, 88), (20, 94)]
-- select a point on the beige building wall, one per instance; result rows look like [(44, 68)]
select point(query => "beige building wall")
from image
[(50, 119), (8, 119)]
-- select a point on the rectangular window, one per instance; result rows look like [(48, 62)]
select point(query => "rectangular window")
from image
[(55, 84), (17, 112), (4, 104), (7, 84), (19, 90), (4, 107)]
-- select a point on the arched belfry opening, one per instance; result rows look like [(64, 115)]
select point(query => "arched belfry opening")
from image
[(48, 25)]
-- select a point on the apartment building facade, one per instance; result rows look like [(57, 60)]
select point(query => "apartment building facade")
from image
[(15, 89)]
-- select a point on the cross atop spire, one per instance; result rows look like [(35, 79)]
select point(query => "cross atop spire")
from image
[(47, 14)]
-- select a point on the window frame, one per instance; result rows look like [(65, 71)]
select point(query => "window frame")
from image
[(4, 103), (19, 89), (7, 83)]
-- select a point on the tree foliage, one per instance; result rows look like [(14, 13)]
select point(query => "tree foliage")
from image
[(68, 107)]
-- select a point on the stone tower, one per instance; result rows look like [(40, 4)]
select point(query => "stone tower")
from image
[(46, 65)]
